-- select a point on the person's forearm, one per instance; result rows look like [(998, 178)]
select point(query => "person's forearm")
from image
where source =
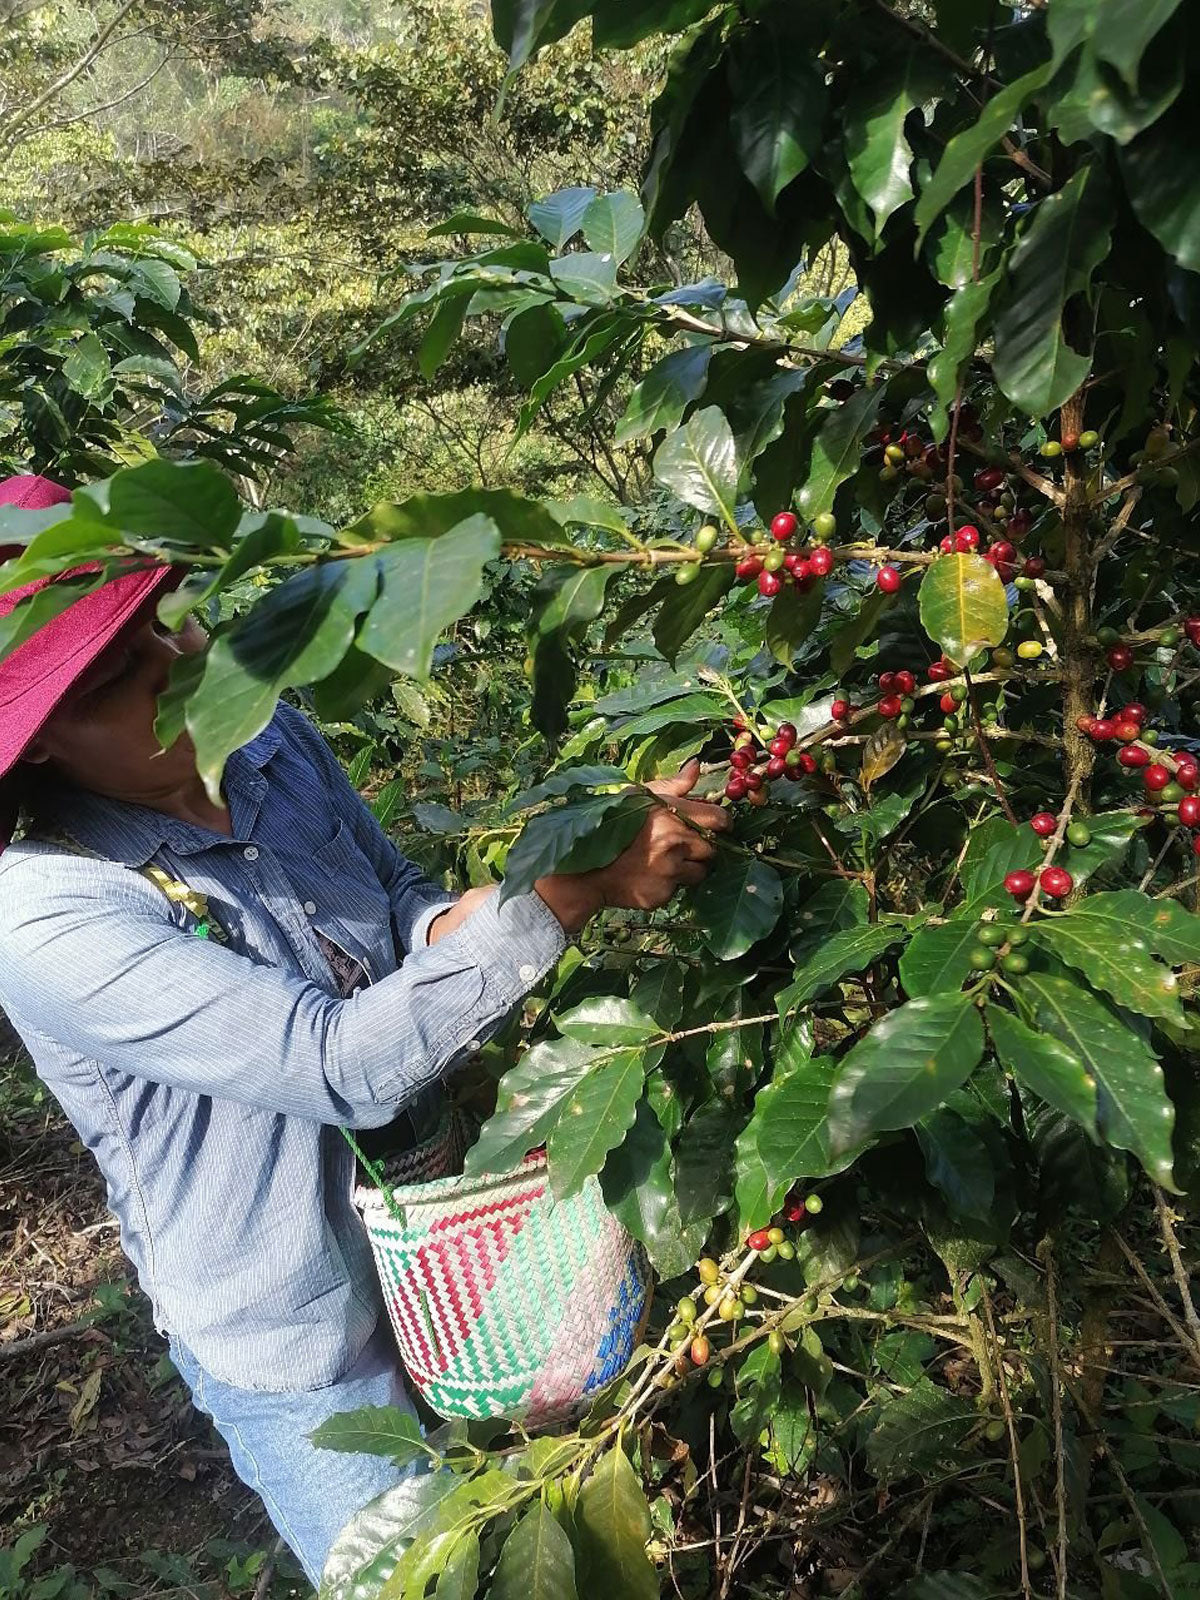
[(573, 897)]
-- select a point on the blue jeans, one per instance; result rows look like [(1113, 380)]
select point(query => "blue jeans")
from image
[(310, 1493)]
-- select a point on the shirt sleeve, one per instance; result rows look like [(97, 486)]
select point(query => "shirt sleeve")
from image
[(93, 963), (416, 899)]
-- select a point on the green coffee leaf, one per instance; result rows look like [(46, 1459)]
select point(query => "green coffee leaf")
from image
[(904, 1068), (593, 1120), (1134, 1111), (938, 958), (786, 1139), (698, 462), (837, 449), (848, 951), (375, 1431), (1046, 1065), (918, 1431), (737, 904), (576, 837), (459, 1577), (639, 1190), (957, 1162), (963, 606), (536, 1560), (1116, 961), (612, 1522), (613, 225), (532, 1095), (607, 1019)]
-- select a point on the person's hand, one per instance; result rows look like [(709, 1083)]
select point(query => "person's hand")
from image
[(669, 852)]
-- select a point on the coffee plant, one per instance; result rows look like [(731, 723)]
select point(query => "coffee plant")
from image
[(901, 1101)]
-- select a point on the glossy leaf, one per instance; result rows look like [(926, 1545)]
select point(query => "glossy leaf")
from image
[(682, 610), (1134, 1111), (837, 449), (190, 508), (737, 905), (531, 1098), (957, 1162), (605, 1020), (758, 1383), (1166, 927), (425, 516), (373, 1430), (459, 1577), (612, 1522), (1034, 363), (938, 958), (586, 275), (617, 24), (963, 320), (878, 152), (367, 1551), (594, 1120), (918, 1431), (424, 586), (779, 106), (698, 462), (963, 606), (904, 1068), (613, 225), (1046, 1065), (967, 149), (1161, 188), (786, 1139), (658, 402), (559, 216), (576, 837), (793, 617), (536, 1560), (1116, 961), (639, 1190), (849, 951)]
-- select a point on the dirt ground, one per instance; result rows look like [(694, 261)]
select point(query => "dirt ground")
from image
[(99, 1444)]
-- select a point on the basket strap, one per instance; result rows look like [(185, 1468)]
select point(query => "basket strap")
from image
[(375, 1173)]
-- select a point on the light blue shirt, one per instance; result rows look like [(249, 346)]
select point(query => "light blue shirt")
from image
[(209, 1080)]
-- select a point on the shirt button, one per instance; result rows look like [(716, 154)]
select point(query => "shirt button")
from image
[(474, 1044), (310, 908), (527, 974), (251, 852)]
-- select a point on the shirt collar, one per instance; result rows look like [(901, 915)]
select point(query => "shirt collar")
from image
[(134, 834)]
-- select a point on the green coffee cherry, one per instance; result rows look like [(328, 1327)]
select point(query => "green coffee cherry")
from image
[(707, 537), (991, 933), (1079, 834), (1014, 963), (813, 1204), (687, 1310), (787, 1250), (982, 959), (1018, 936), (688, 573)]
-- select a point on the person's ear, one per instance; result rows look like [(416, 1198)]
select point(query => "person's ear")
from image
[(36, 754)]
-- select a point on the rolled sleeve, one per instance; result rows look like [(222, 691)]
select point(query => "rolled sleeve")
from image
[(425, 920)]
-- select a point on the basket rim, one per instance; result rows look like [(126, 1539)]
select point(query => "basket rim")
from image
[(457, 1186)]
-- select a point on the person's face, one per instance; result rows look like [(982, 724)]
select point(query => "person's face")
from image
[(102, 735)]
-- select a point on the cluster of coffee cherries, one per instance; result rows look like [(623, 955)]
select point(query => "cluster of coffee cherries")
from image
[(1000, 553), (1053, 881), (998, 946), (752, 765), (728, 1296), (783, 560), (1169, 780), (1069, 443)]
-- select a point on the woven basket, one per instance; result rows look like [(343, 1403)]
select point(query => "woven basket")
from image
[(504, 1301)]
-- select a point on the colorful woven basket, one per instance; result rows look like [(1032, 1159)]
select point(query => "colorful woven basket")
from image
[(504, 1301)]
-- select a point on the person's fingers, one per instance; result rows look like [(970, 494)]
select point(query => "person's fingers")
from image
[(691, 872), (684, 781), (715, 818), (697, 849)]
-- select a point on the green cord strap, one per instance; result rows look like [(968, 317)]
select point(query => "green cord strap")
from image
[(375, 1173)]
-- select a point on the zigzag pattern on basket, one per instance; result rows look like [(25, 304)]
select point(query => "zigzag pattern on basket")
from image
[(503, 1300)]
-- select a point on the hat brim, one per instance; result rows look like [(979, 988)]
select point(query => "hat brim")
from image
[(35, 684)]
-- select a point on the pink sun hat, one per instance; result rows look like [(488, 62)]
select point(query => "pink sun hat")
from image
[(40, 672)]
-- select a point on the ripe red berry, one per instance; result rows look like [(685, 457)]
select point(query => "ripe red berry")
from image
[(753, 781), (736, 789), (905, 683), (802, 573), (1057, 881), (1133, 755), (947, 544), (1191, 627), (759, 1240), (937, 672), (1120, 658), (887, 579), (967, 538), (1189, 811), (769, 583), (1019, 884), (1044, 824), (1187, 774), (776, 767), (793, 559), (786, 730), (808, 764), (890, 707), (1034, 566), (1070, 441), (1103, 729), (779, 746), (840, 710), (1156, 777), (1134, 712), (948, 705), (748, 568), (821, 561), (989, 478), (794, 1212), (741, 759), (1018, 526), (784, 526), (1086, 725), (1001, 550), (1126, 732), (700, 1350), (887, 681)]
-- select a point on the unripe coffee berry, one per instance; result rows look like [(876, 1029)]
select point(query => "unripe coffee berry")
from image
[(700, 1351), (708, 1270), (824, 525), (991, 933), (1028, 649), (706, 538), (1014, 963), (1171, 794), (776, 1342), (981, 958), (1079, 835)]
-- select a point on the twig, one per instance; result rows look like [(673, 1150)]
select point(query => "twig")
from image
[(267, 1571), (13, 1349), (1046, 1256), (1166, 1224), (1013, 1448), (985, 751), (1151, 1288)]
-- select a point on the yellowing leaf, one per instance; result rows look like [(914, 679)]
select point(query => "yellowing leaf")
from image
[(964, 608)]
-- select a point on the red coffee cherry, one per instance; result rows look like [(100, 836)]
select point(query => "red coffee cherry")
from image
[(736, 788), (808, 764), (989, 478), (938, 672), (786, 730), (741, 759), (1133, 755), (1189, 811), (1034, 566), (1120, 658), (1057, 881), (769, 583), (1156, 777), (1086, 725), (779, 746), (840, 710), (753, 781), (776, 767), (1134, 712), (1019, 884), (821, 561), (748, 568), (1187, 774), (1127, 732), (905, 683), (967, 538), (890, 707), (1044, 824), (784, 526), (948, 705), (1103, 729), (887, 579), (1191, 627), (759, 1240)]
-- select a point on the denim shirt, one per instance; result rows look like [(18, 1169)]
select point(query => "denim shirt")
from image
[(210, 1079)]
